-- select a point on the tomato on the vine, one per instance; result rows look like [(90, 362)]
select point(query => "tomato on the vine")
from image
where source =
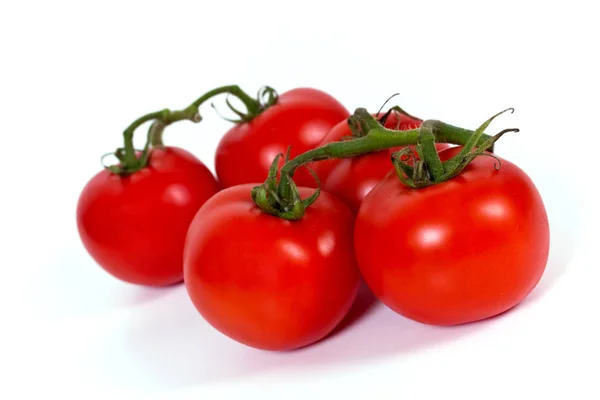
[(134, 226), (351, 179), (268, 282), (458, 251), (300, 118)]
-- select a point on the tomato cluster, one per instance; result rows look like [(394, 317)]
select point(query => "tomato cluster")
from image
[(444, 237)]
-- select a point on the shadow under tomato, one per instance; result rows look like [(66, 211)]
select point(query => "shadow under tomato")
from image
[(363, 305), (74, 286), (168, 344)]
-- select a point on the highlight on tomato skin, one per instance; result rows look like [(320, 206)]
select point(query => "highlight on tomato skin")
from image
[(267, 282), (456, 252), (274, 266), (134, 226), (299, 121)]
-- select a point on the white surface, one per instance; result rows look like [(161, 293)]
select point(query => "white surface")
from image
[(74, 74)]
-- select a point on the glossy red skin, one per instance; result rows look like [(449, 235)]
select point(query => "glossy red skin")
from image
[(266, 282), (135, 226), (351, 179), (461, 251), (300, 118)]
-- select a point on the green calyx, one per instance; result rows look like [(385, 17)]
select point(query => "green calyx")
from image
[(429, 170), (281, 198), (361, 123), (291, 206), (265, 98), (132, 160)]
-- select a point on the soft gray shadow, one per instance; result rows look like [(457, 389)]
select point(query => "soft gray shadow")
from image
[(172, 346), (363, 305), (73, 285)]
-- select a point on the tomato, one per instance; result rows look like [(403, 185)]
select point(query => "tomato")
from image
[(351, 179), (267, 282), (300, 119), (134, 226), (456, 252)]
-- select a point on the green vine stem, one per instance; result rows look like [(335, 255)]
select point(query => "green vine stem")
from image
[(129, 162), (282, 199)]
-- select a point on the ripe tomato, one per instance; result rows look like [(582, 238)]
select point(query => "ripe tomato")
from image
[(300, 119), (134, 226), (351, 179), (460, 251), (267, 282)]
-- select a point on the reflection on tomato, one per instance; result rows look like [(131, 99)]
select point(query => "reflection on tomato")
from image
[(460, 251), (300, 119), (267, 282), (134, 226)]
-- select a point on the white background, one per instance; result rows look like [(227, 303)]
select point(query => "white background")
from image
[(74, 74)]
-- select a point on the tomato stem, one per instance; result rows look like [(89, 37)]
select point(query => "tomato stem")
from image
[(252, 105), (282, 197), (428, 153), (155, 132), (130, 162), (377, 138)]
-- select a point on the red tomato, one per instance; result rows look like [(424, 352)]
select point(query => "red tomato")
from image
[(267, 282), (351, 179), (300, 118), (134, 226), (460, 251)]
